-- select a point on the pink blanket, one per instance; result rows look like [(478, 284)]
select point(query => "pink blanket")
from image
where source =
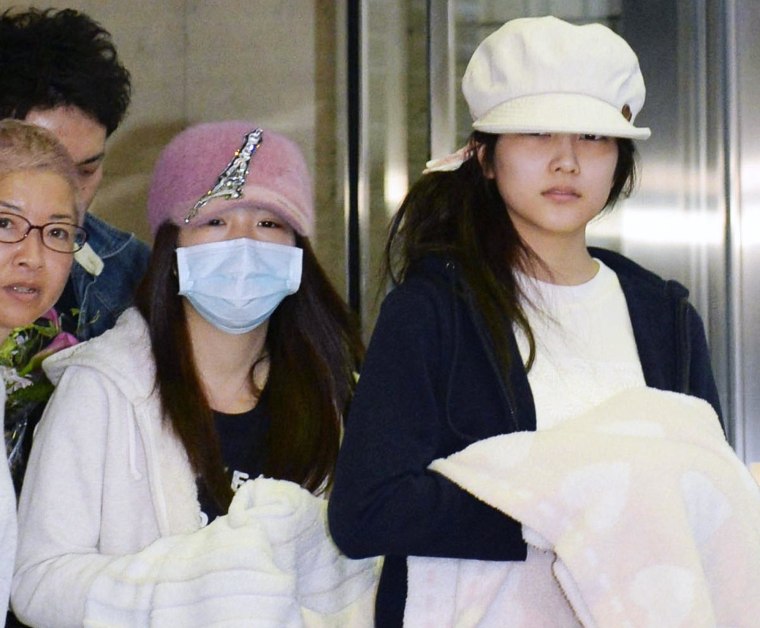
[(637, 513)]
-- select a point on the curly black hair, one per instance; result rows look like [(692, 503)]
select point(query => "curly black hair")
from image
[(51, 58)]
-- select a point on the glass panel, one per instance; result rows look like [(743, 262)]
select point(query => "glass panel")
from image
[(745, 227), (395, 136)]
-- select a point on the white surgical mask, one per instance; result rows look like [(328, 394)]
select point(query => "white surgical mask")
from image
[(237, 284)]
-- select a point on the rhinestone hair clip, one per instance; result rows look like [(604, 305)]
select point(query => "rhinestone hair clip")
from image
[(230, 183)]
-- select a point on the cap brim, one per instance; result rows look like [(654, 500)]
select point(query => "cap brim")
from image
[(559, 113), (253, 196)]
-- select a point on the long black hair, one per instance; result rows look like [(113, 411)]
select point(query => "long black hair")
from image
[(461, 215), (314, 349)]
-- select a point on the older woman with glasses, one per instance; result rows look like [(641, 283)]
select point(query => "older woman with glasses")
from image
[(40, 230)]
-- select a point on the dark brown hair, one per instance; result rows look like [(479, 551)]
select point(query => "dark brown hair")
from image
[(314, 350), (461, 215)]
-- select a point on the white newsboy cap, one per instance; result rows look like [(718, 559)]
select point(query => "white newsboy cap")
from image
[(545, 75)]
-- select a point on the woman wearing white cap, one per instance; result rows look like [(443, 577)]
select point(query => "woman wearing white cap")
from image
[(503, 320), (143, 502)]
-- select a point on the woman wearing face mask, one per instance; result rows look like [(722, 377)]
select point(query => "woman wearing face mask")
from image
[(39, 233), (237, 362)]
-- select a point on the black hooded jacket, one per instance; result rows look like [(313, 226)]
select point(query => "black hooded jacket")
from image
[(431, 385)]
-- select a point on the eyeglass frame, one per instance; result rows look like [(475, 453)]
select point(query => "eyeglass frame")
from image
[(31, 227)]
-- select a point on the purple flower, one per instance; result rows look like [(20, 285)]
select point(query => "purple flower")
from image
[(47, 326), (61, 341), (52, 316)]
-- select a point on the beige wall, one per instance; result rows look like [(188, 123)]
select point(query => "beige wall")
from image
[(269, 61)]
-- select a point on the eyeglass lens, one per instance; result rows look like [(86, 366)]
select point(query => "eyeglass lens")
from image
[(57, 236)]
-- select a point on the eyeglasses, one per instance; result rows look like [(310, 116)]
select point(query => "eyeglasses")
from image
[(61, 237)]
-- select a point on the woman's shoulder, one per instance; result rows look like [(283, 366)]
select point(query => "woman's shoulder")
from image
[(635, 277), (429, 284), (122, 353), (432, 274)]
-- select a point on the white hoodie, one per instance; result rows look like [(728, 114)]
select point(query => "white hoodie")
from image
[(7, 523), (105, 480)]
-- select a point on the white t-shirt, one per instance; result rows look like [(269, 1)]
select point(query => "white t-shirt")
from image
[(585, 349)]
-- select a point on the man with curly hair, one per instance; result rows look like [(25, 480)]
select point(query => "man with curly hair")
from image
[(60, 70)]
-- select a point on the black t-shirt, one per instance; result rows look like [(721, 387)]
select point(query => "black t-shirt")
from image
[(243, 442)]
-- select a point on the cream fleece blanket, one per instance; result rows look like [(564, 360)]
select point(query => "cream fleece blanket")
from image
[(637, 513), (269, 562)]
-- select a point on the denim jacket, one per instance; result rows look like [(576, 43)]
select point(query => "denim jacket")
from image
[(101, 298)]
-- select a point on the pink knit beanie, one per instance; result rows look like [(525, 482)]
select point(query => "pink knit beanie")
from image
[(193, 161)]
